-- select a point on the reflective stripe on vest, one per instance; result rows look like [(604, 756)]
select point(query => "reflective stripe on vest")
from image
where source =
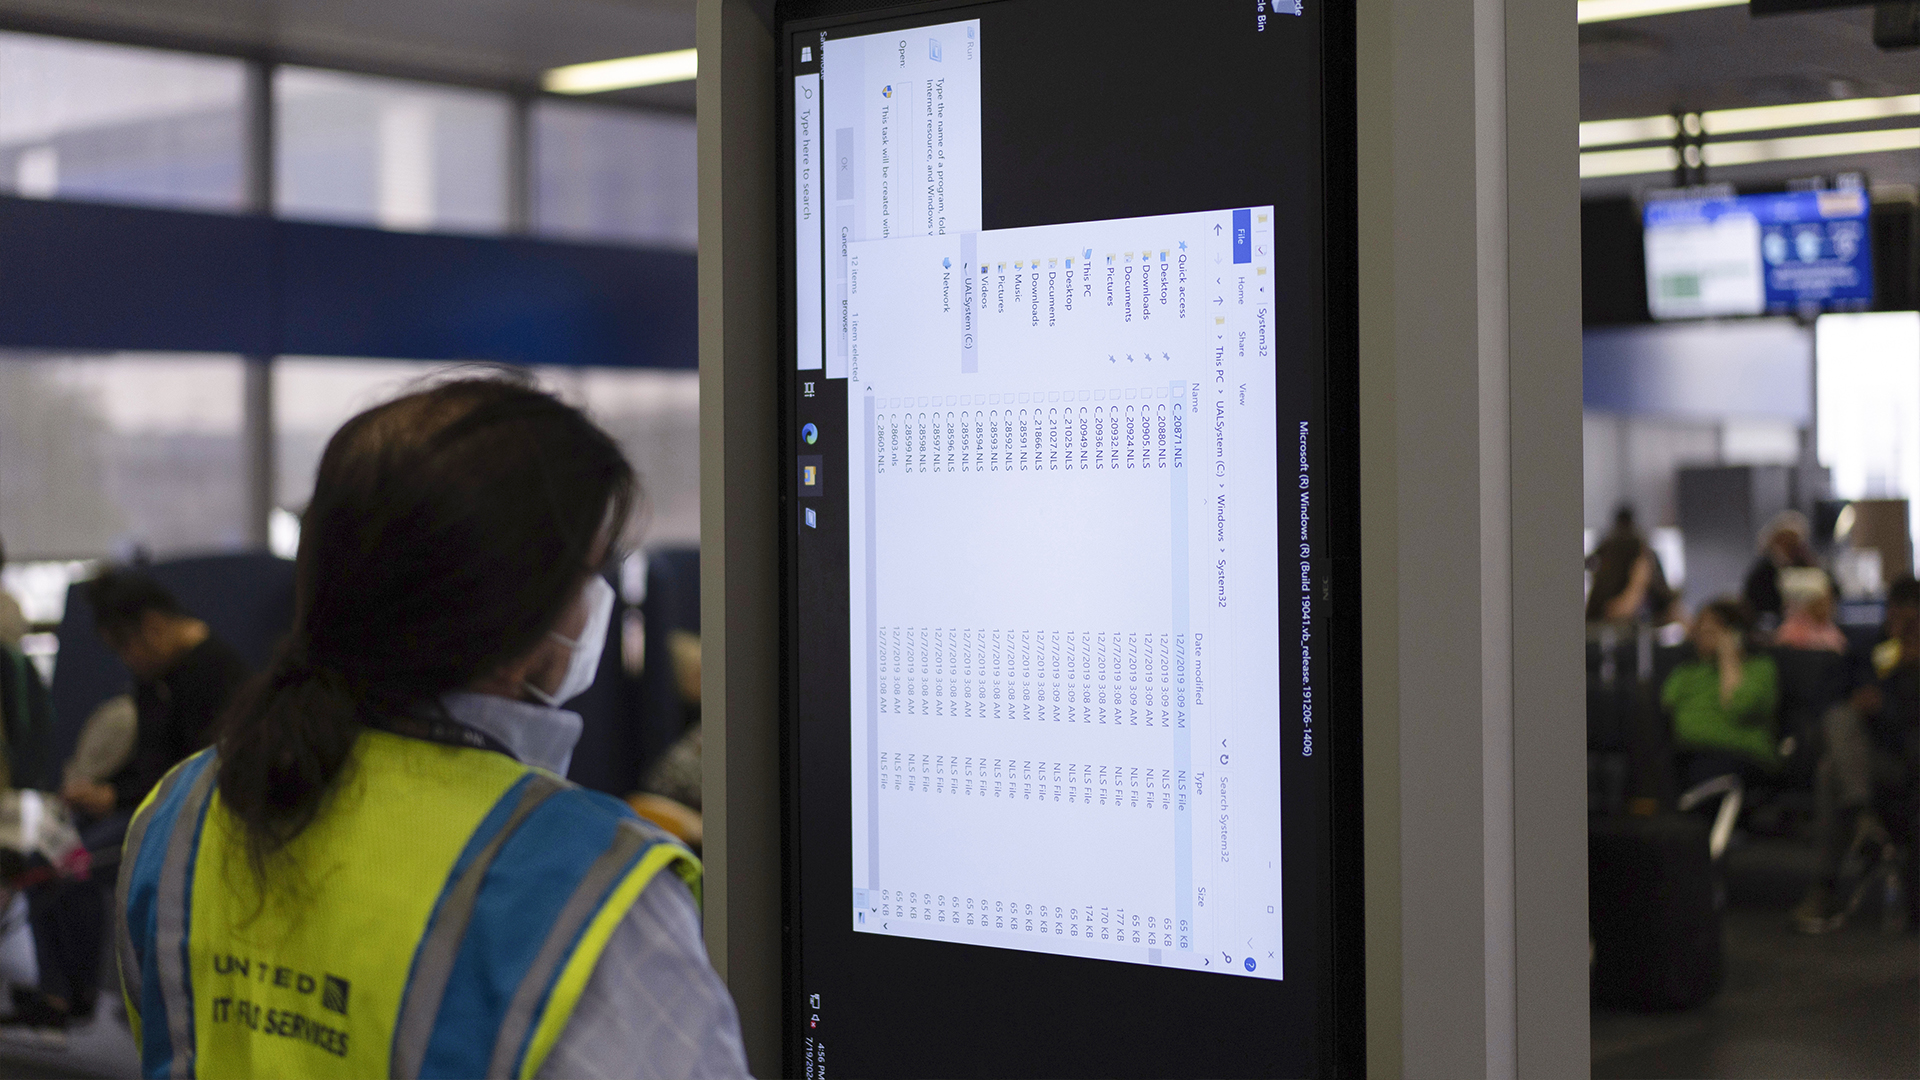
[(451, 906), (153, 978), (433, 967)]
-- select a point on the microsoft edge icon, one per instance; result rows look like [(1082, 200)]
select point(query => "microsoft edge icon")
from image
[(809, 434)]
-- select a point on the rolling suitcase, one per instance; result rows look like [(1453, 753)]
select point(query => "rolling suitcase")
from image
[(1653, 912)]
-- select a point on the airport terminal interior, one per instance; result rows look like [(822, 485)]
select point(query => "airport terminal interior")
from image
[(248, 221)]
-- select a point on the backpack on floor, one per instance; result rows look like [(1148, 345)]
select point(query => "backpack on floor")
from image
[(1653, 912)]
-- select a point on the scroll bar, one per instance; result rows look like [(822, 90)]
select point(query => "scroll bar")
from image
[(1183, 737), (873, 660)]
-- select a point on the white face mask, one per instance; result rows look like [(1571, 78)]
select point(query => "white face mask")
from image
[(585, 661)]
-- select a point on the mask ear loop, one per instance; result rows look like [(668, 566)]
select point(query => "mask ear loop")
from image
[(552, 701), (599, 615)]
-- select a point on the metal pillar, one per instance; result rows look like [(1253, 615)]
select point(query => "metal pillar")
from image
[(520, 172), (1470, 522), (257, 440), (739, 523)]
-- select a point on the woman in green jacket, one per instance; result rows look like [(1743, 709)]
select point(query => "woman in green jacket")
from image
[(1723, 703)]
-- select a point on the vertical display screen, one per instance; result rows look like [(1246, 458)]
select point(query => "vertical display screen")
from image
[(1057, 610)]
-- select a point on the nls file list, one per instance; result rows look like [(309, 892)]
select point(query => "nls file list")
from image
[(1065, 574)]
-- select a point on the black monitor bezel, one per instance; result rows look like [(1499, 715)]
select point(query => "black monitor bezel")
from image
[(1343, 1050)]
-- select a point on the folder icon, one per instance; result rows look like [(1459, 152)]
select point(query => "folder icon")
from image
[(809, 475)]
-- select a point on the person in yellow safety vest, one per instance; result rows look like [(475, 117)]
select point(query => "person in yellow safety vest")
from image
[(377, 869)]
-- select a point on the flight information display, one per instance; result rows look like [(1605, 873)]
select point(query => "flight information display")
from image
[(1724, 254), (1059, 491)]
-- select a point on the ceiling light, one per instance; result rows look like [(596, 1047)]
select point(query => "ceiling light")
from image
[(1751, 151), (1653, 159), (1636, 129), (623, 74), (1809, 113), (1628, 162), (1609, 10), (1760, 118)]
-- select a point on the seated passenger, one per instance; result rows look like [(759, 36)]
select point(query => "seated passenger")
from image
[(13, 625), (1783, 545), (1867, 788), (1628, 584), (1817, 670), (66, 898), (1723, 703), (105, 744), (26, 715), (1807, 595), (184, 677)]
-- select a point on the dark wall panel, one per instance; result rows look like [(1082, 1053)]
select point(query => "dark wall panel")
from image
[(1613, 263), (363, 292), (83, 276), (1896, 256), (86, 276)]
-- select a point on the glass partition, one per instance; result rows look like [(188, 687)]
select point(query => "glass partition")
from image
[(362, 150), (614, 174), (81, 120), (655, 415), (107, 455)]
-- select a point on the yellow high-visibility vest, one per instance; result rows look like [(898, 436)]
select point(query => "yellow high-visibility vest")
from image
[(439, 917)]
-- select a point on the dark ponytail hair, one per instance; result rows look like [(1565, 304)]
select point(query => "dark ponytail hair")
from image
[(448, 530)]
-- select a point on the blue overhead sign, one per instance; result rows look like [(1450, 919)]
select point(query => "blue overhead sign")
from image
[(1815, 247)]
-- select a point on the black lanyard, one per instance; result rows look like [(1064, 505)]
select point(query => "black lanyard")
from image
[(447, 732)]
